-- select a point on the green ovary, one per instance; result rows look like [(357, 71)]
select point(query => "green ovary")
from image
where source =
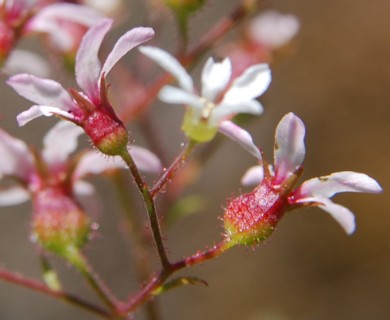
[(198, 130)]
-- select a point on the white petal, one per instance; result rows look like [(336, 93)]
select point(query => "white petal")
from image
[(83, 188), (12, 196), (240, 136), (128, 41), (345, 181), (273, 29), (251, 84), (87, 60), (169, 64), (289, 146), (253, 176), (60, 142), (341, 214), (16, 159), (41, 91), (226, 111), (215, 77), (145, 160), (28, 115), (93, 162), (37, 111), (21, 61), (171, 94)]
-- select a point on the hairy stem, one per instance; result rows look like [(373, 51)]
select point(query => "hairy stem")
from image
[(141, 247), (150, 208), (176, 164), (38, 286), (158, 280), (80, 262)]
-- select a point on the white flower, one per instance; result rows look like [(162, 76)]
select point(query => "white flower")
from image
[(289, 154), (219, 100), (273, 29)]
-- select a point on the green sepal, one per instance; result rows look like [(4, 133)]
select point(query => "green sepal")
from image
[(178, 282)]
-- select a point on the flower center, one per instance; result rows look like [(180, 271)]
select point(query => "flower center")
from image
[(208, 108)]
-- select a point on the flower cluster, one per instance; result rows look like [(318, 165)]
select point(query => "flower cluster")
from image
[(54, 177), (54, 182)]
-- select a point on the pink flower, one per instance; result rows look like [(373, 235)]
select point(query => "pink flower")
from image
[(90, 107), (53, 166), (64, 24), (54, 182), (250, 218), (22, 17)]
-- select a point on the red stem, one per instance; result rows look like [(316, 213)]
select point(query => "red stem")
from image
[(157, 280), (169, 173), (38, 286)]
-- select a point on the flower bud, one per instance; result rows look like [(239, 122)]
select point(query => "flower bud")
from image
[(59, 224), (107, 132), (251, 218), (101, 124)]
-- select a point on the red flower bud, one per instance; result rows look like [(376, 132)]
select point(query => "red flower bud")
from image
[(101, 124), (59, 224), (251, 217)]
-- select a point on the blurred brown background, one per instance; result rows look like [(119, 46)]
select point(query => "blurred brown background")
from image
[(338, 82)]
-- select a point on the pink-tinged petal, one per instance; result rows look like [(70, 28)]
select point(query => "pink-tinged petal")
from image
[(22, 61), (225, 111), (169, 64), (41, 91), (215, 77), (28, 115), (51, 14), (240, 136), (145, 160), (16, 159), (128, 41), (87, 60), (94, 163), (13, 196), (175, 95), (37, 111), (345, 181), (289, 146), (253, 176), (60, 142), (50, 20), (341, 214), (251, 84)]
